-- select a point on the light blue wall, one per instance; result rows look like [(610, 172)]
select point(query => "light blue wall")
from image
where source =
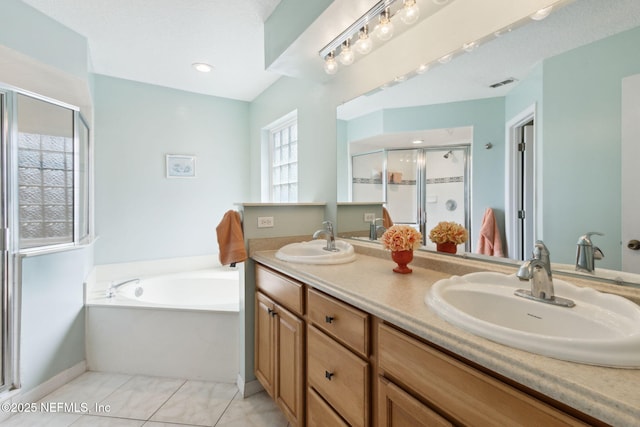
[(52, 318), (316, 137), (24, 29), (582, 145), (142, 215), (487, 118)]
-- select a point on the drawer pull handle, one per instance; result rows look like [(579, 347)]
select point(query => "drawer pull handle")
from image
[(272, 313), (328, 375), (328, 319)]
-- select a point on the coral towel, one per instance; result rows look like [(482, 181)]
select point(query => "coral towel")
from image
[(230, 239), (386, 218), (490, 242)]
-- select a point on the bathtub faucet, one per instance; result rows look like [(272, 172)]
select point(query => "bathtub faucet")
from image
[(111, 291), (328, 232)]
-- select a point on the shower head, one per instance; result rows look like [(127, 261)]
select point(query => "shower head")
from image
[(446, 156)]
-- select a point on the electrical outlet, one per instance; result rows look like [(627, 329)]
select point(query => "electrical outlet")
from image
[(265, 221), (369, 217)]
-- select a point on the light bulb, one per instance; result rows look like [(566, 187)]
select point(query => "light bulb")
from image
[(410, 12), (470, 47), (346, 56), (542, 13), (202, 67), (384, 30), (445, 59), (330, 64), (364, 43), (423, 68)]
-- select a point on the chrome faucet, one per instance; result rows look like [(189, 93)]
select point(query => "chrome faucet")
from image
[(537, 270), (587, 253), (111, 291), (329, 234), (374, 228)]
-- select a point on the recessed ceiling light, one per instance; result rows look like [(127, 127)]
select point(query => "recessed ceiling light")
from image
[(202, 67)]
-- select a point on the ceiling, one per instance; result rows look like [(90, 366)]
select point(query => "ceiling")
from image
[(156, 41)]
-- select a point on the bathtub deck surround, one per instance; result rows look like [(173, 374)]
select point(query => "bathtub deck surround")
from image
[(181, 324), (594, 393), (114, 399)]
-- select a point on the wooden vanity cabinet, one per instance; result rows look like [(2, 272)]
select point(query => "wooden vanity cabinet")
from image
[(338, 366), (418, 379), (280, 342)]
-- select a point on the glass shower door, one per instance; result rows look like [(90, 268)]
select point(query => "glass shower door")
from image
[(4, 243)]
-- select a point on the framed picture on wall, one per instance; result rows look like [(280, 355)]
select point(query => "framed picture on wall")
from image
[(181, 166)]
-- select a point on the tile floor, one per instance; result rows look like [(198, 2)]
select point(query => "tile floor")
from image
[(98, 399)]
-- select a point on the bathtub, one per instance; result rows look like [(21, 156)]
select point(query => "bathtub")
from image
[(181, 325)]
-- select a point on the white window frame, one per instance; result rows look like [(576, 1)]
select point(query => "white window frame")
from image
[(269, 191)]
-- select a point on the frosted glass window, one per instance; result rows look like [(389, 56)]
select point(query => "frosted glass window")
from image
[(284, 162), (46, 170)]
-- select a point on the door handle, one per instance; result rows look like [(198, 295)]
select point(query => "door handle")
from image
[(634, 245)]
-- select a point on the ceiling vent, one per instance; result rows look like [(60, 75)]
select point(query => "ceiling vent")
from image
[(504, 82)]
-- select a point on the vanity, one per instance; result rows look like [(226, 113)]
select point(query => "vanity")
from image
[(354, 344)]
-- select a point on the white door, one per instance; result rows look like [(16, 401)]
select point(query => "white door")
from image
[(630, 173)]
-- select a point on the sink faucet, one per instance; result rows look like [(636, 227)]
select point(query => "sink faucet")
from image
[(111, 291), (537, 270), (587, 253), (374, 228), (329, 234)]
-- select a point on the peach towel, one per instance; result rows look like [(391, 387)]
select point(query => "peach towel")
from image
[(490, 242), (386, 218), (230, 239)]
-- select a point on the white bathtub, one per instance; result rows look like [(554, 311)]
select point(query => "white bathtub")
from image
[(182, 325)]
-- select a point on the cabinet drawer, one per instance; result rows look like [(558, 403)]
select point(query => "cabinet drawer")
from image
[(339, 376), (460, 392), (348, 325), (283, 290), (320, 414)]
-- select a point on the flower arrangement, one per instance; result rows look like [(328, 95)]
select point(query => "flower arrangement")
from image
[(448, 231), (401, 238)]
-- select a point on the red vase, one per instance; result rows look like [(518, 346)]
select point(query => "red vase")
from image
[(448, 247), (402, 258)]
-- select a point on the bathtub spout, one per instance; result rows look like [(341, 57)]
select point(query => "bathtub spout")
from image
[(111, 291)]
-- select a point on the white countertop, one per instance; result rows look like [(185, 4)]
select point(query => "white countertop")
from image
[(609, 394)]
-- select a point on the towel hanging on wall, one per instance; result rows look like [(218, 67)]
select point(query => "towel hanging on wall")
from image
[(489, 242), (231, 239)]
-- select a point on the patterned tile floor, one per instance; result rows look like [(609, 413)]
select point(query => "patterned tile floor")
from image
[(97, 399)]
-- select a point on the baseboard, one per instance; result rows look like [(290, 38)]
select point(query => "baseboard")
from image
[(248, 388), (43, 389)]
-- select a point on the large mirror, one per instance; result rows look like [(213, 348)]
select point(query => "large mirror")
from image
[(566, 83)]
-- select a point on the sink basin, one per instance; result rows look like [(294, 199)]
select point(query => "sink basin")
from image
[(313, 252), (602, 329)]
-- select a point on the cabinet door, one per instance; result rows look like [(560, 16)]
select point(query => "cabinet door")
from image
[(289, 365), (396, 408), (265, 343)]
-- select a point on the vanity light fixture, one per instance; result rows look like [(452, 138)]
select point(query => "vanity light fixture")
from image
[(356, 38), (202, 67), (417, 141), (541, 14)]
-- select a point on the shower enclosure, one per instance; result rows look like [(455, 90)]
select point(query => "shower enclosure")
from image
[(419, 187)]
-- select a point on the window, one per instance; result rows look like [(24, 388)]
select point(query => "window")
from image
[(283, 160), (52, 174)]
